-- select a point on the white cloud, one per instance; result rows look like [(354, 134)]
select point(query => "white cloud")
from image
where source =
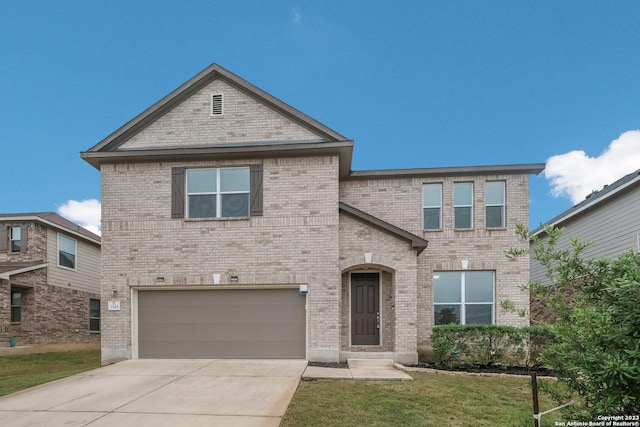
[(576, 175), (85, 213)]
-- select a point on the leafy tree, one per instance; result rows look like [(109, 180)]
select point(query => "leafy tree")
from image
[(596, 350)]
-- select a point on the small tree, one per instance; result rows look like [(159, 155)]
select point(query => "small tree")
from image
[(596, 351)]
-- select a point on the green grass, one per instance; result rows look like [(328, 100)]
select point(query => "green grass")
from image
[(21, 371), (429, 400)]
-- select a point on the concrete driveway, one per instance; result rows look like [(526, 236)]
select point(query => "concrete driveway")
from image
[(161, 393)]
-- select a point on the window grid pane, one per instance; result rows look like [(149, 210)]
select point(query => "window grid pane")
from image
[(66, 252), (432, 206), (218, 193), (465, 297), (494, 204), (463, 204)]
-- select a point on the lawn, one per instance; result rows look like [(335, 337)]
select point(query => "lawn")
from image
[(429, 400), (21, 371)]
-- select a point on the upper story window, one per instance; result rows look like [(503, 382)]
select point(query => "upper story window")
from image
[(494, 204), (218, 192), (15, 239), (432, 206), (463, 204), (66, 252), (464, 297)]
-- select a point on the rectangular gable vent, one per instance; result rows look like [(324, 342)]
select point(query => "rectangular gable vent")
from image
[(216, 104)]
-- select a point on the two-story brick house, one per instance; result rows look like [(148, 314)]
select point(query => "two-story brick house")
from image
[(49, 280), (234, 227)]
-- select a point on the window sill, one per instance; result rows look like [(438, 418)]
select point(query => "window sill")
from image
[(94, 332), (67, 268), (232, 218), (464, 229), (433, 230), (497, 228)]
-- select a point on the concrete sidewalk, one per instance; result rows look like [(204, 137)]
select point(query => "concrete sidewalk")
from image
[(358, 369)]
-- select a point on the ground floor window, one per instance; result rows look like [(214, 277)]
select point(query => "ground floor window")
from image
[(464, 297), (16, 306), (94, 315)]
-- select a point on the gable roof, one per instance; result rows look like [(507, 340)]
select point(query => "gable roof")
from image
[(597, 198), (416, 242), (107, 149), (54, 220)]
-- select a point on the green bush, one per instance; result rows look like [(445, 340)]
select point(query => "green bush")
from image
[(457, 346)]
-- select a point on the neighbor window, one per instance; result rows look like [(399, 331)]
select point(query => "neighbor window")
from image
[(66, 252), (218, 193), (463, 204), (432, 206), (14, 239), (16, 306), (494, 203), (94, 315), (464, 297)]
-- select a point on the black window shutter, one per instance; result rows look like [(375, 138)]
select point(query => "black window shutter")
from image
[(4, 239), (177, 192), (256, 190)]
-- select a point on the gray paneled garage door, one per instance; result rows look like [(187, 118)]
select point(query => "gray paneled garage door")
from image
[(238, 323)]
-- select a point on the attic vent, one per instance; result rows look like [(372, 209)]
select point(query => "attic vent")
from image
[(216, 105)]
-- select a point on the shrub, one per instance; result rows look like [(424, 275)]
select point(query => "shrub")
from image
[(481, 345)]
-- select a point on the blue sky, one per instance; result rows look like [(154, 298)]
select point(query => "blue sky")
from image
[(413, 83)]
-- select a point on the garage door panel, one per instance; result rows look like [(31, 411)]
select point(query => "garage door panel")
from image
[(221, 324)]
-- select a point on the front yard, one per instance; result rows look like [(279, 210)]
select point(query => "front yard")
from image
[(21, 371), (429, 400)]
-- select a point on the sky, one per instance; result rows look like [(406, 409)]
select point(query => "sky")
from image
[(416, 84)]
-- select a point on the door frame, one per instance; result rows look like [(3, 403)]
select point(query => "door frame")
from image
[(380, 331)]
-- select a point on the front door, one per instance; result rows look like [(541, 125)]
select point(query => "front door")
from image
[(365, 309)]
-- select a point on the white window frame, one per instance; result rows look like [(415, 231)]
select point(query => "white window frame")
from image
[(218, 193), (471, 221), (502, 205), (425, 206), (75, 254), (13, 239), (463, 303)]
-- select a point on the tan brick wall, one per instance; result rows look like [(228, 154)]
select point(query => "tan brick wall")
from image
[(397, 262), (293, 242), (399, 202), (244, 120)]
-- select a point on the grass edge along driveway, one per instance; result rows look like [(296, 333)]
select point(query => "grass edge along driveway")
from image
[(429, 400), (22, 371)]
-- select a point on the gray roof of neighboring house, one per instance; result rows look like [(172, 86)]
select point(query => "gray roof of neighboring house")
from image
[(596, 198), (54, 220)]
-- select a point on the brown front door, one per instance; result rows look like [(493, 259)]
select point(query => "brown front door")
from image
[(365, 309)]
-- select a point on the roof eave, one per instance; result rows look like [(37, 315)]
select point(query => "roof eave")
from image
[(417, 242), (520, 169), (343, 149)]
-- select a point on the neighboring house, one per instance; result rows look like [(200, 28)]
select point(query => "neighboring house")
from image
[(608, 217), (49, 280), (234, 227)]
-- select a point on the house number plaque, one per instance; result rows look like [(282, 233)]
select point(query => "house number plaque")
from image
[(113, 305)]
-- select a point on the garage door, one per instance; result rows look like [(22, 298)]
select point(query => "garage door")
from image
[(220, 324)]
